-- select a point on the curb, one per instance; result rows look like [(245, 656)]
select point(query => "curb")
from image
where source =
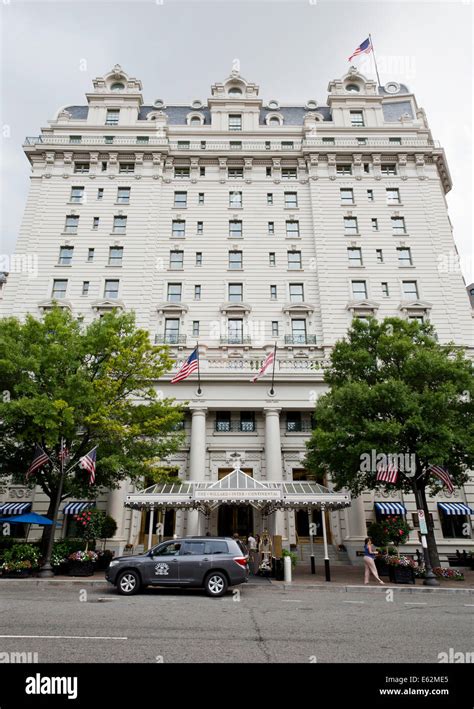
[(347, 588)]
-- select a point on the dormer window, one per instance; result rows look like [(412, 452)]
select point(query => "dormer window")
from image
[(352, 88), (234, 91), (117, 86)]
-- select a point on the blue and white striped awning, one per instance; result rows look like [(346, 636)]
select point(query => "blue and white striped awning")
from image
[(455, 508), (15, 508), (73, 508), (390, 508)]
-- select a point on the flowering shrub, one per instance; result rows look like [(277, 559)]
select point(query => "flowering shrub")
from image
[(83, 556), (399, 561), (441, 572), (16, 565), (392, 529), (23, 552)]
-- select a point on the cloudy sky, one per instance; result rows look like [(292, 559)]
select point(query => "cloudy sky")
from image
[(292, 48)]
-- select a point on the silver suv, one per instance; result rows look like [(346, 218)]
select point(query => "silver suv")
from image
[(212, 563)]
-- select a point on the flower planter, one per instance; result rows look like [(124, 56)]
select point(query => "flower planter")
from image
[(81, 568), (401, 574), (61, 569), (18, 574), (382, 567)]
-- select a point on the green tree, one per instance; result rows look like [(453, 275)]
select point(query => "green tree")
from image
[(395, 390), (92, 385)]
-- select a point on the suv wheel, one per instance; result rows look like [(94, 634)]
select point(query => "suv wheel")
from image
[(216, 584), (128, 583)]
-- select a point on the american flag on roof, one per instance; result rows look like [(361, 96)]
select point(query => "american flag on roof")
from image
[(88, 462), (443, 475), (364, 48), (387, 473), (190, 366), (40, 458)]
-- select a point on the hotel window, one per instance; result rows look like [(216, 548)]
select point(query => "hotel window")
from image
[(291, 200), (293, 421), (379, 255), (288, 173), (366, 168), (374, 224), (100, 193), (115, 255), (72, 222), (385, 291), (197, 292), (235, 260), (95, 223), (271, 228), (112, 117), (328, 141), (298, 331), (235, 172), (223, 421), (75, 138), (361, 141), (195, 328), (198, 258), (202, 144), (103, 166), (357, 118), (202, 172), (235, 292), (247, 421), (81, 167), (200, 228), (90, 255), (393, 195), (296, 292), (268, 171), (273, 293), (176, 260), (109, 139), (417, 318), (398, 225), (269, 198), (172, 331), (178, 227), (410, 289), (354, 255), (77, 194), (59, 289), (287, 145), (275, 329), (120, 224), (181, 200), (293, 229), (390, 169), (271, 258), (344, 170), (143, 139), (235, 121), (235, 329), (111, 289), (174, 292), (268, 145), (404, 256), (201, 198), (181, 173), (65, 255), (235, 145), (359, 290), (370, 195), (235, 229), (235, 200), (454, 526), (350, 225), (183, 144), (85, 288), (395, 141), (294, 260), (123, 195), (125, 168), (347, 195)]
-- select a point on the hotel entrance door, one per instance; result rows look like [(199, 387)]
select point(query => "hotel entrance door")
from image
[(233, 519)]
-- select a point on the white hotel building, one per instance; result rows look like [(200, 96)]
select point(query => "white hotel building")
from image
[(243, 222)]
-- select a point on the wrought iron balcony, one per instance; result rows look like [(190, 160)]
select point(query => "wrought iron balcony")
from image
[(170, 339), (236, 340), (299, 427), (300, 339), (235, 427)]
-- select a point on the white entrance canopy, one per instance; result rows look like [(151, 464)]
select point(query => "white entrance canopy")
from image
[(239, 488)]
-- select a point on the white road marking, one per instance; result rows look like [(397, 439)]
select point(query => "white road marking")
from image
[(469, 605), (291, 600), (66, 637), (414, 603), (353, 601)]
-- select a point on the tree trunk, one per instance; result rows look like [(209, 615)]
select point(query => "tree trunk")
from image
[(49, 529), (430, 537)]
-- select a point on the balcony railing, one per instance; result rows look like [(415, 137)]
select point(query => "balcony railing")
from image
[(236, 340), (300, 339), (170, 339), (235, 427), (371, 142), (298, 427)]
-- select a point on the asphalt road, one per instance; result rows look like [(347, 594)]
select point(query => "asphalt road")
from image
[(264, 624)]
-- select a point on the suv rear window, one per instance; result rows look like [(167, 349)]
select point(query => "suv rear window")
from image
[(216, 546)]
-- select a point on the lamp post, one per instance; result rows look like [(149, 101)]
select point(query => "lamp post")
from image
[(46, 570), (430, 579)]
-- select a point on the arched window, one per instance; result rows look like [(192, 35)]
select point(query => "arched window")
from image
[(274, 121), (352, 88), (195, 121), (117, 86), (235, 91)]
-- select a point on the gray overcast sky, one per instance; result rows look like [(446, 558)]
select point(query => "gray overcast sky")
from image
[(291, 48)]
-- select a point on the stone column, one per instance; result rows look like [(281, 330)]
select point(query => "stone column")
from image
[(116, 509), (273, 461), (356, 528), (197, 465)]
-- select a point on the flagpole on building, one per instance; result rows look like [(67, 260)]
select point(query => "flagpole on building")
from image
[(199, 391), (272, 390), (375, 59), (47, 570)]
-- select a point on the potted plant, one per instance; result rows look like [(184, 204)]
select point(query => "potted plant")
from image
[(20, 560), (81, 563), (16, 569), (401, 569)]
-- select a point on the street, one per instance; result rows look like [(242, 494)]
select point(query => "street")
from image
[(262, 623)]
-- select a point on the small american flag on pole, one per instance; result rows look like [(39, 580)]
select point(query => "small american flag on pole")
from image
[(39, 459), (63, 452), (364, 48), (269, 359), (443, 475), (87, 462), (387, 473), (190, 366)]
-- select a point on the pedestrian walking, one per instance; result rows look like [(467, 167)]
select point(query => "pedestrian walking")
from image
[(369, 563)]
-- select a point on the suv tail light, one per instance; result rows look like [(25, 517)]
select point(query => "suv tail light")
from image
[(241, 560)]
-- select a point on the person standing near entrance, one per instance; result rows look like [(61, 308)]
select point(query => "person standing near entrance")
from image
[(369, 563), (252, 545)]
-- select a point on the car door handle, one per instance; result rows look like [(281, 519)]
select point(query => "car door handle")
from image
[(205, 559)]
